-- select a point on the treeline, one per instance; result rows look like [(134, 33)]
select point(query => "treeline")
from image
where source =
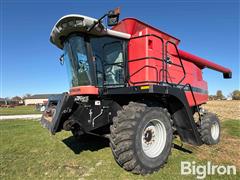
[(235, 95)]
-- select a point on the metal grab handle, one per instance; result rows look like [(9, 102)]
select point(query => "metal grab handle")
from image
[(166, 53)]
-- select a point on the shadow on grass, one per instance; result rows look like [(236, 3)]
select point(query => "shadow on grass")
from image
[(86, 142)]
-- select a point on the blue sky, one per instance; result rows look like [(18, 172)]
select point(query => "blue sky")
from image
[(29, 62)]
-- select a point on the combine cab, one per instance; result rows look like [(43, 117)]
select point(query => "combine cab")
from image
[(132, 83)]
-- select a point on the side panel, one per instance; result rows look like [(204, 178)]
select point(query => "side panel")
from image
[(84, 90), (92, 114), (200, 98), (149, 65), (145, 60)]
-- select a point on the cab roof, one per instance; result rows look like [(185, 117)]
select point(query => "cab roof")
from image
[(75, 23)]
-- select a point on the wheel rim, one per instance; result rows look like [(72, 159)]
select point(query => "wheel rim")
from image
[(154, 138), (215, 131)]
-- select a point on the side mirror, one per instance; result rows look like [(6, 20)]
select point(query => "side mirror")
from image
[(113, 17), (61, 59)]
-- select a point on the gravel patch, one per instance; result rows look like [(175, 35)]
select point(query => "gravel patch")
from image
[(28, 116)]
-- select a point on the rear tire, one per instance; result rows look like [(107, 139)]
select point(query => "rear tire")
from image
[(141, 138), (210, 129)]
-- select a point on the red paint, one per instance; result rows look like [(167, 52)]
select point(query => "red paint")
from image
[(202, 62), (83, 90), (149, 69), (133, 26)]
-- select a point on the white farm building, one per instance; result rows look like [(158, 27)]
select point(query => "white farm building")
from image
[(36, 99)]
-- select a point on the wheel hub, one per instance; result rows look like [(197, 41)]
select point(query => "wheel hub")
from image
[(215, 131), (153, 138), (148, 136)]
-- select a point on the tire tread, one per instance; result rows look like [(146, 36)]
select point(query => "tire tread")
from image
[(121, 138)]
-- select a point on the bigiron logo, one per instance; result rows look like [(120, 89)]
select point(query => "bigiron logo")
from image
[(201, 171)]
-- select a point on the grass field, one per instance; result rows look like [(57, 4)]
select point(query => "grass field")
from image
[(29, 152), (19, 110)]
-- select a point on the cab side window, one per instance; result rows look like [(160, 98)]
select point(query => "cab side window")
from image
[(113, 66)]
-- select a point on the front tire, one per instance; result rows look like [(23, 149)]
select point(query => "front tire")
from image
[(141, 138)]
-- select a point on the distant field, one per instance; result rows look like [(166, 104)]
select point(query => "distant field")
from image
[(224, 109), (29, 152), (19, 110)]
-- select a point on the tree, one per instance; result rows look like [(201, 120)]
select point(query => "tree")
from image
[(219, 94), (212, 97), (236, 95), (26, 96), (16, 98)]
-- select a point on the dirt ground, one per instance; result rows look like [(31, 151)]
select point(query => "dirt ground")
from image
[(227, 151), (224, 109)]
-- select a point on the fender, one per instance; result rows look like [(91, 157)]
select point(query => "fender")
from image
[(179, 107)]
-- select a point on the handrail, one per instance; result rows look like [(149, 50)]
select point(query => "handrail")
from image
[(149, 57), (194, 99), (143, 58), (164, 70), (166, 53), (139, 82)]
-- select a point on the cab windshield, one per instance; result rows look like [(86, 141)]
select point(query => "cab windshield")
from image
[(77, 61), (102, 64)]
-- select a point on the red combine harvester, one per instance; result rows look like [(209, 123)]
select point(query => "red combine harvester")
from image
[(133, 85)]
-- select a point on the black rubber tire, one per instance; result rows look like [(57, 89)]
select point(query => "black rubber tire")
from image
[(208, 120), (126, 134)]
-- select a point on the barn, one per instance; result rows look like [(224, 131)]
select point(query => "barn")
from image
[(36, 99)]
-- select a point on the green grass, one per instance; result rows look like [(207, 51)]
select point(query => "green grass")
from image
[(19, 110), (232, 127), (29, 152)]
